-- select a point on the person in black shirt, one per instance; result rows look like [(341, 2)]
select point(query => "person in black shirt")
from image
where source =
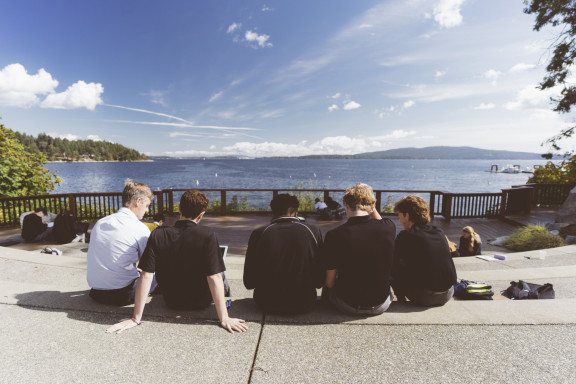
[(423, 268), (33, 228), (281, 263), (67, 228), (470, 243), (187, 261), (358, 256)]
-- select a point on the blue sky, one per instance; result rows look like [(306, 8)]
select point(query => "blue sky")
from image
[(277, 78)]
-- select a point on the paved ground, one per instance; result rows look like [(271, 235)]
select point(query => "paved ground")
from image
[(51, 332)]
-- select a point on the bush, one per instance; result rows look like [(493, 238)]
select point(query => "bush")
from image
[(533, 237)]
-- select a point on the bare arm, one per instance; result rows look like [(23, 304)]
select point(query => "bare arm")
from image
[(217, 290), (142, 290), (375, 215), (330, 278)]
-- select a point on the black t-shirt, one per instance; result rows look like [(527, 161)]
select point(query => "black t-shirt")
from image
[(362, 252), (282, 266), (182, 257), (65, 228), (32, 226), (422, 259), (465, 251)]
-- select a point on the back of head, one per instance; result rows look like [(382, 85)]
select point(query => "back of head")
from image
[(41, 209), (133, 191), (360, 197), (284, 205), (193, 203), (416, 207)]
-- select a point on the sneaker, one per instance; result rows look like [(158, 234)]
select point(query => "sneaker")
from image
[(56, 251)]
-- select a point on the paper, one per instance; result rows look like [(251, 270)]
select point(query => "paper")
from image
[(487, 258)]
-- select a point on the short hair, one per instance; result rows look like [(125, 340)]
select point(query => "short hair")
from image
[(360, 196), (159, 217), (41, 209), (416, 207), (133, 191), (193, 203), (283, 203)]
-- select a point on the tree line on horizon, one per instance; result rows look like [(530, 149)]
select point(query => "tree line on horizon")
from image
[(57, 149)]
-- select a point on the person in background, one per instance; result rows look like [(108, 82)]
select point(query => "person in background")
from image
[(337, 210), (117, 242), (281, 263), (34, 230), (358, 257), (188, 265), (470, 243), (159, 220), (322, 209), (67, 229), (423, 268)]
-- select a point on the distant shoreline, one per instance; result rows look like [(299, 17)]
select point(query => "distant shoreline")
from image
[(99, 161)]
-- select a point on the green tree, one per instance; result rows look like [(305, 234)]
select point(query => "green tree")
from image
[(561, 14), (22, 173)]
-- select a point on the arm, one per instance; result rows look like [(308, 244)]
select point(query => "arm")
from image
[(217, 290), (330, 278), (250, 262), (142, 290), (375, 215)]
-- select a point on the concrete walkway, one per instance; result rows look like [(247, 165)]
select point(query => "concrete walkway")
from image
[(52, 332)]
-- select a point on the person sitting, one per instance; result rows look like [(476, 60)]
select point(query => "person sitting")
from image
[(117, 242), (322, 209), (336, 209), (470, 243), (188, 265), (34, 230), (423, 268), (67, 229), (281, 263), (358, 256), (159, 220)]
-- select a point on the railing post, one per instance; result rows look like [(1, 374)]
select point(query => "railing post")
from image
[(72, 204), (326, 195), (223, 202), (503, 202), (432, 204), (447, 206), (160, 202), (171, 201), (378, 200)]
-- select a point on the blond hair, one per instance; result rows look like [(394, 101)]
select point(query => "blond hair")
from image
[(474, 237), (360, 197), (133, 191)]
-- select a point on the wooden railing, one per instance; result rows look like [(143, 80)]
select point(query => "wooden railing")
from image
[(92, 206)]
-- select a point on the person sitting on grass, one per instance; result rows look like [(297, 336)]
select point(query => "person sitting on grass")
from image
[(358, 256), (423, 268), (188, 266), (470, 243)]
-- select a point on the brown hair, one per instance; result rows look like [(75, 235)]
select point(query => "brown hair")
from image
[(193, 203), (360, 196), (133, 191), (284, 204), (416, 207)]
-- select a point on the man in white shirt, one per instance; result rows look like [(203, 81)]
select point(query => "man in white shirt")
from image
[(117, 242)]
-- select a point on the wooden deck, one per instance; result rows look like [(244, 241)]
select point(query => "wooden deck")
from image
[(235, 230)]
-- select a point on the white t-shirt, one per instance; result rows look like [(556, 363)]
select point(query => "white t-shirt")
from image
[(320, 205), (116, 244)]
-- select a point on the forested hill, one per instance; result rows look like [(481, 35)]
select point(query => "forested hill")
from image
[(57, 149), (441, 153)]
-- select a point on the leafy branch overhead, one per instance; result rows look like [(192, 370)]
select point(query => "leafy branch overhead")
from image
[(562, 14)]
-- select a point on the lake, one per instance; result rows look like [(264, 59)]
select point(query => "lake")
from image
[(457, 176)]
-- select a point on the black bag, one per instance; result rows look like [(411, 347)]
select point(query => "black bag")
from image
[(522, 290)]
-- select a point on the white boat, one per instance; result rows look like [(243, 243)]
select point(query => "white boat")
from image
[(510, 169)]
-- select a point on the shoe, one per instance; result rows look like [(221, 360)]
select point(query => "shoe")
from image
[(56, 252)]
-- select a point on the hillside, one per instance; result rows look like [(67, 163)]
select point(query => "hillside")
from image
[(440, 153), (57, 149)]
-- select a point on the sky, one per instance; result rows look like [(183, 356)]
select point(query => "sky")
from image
[(278, 78)]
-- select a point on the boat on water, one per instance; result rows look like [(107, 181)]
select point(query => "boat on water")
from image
[(509, 168)]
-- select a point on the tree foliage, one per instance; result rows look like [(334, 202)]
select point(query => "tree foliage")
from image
[(22, 173), (563, 173), (558, 13), (56, 148)]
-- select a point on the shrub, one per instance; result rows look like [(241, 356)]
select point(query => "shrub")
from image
[(533, 237)]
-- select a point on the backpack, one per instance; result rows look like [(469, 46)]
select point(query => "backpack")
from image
[(473, 290), (522, 290)]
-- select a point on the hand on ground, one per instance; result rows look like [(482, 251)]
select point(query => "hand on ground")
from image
[(123, 325), (232, 324)]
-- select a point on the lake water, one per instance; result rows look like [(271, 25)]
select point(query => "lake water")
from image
[(443, 175)]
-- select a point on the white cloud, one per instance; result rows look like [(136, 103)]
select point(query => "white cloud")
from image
[(266, 8), (333, 108), (260, 40), (336, 95), (396, 134), (439, 74), (408, 104), (485, 106), (68, 136), (19, 89), (447, 13), (522, 67), (365, 25), (530, 97), (157, 97), (492, 75), (78, 95), (351, 105), (215, 96), (233, 27), (93, 138)]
